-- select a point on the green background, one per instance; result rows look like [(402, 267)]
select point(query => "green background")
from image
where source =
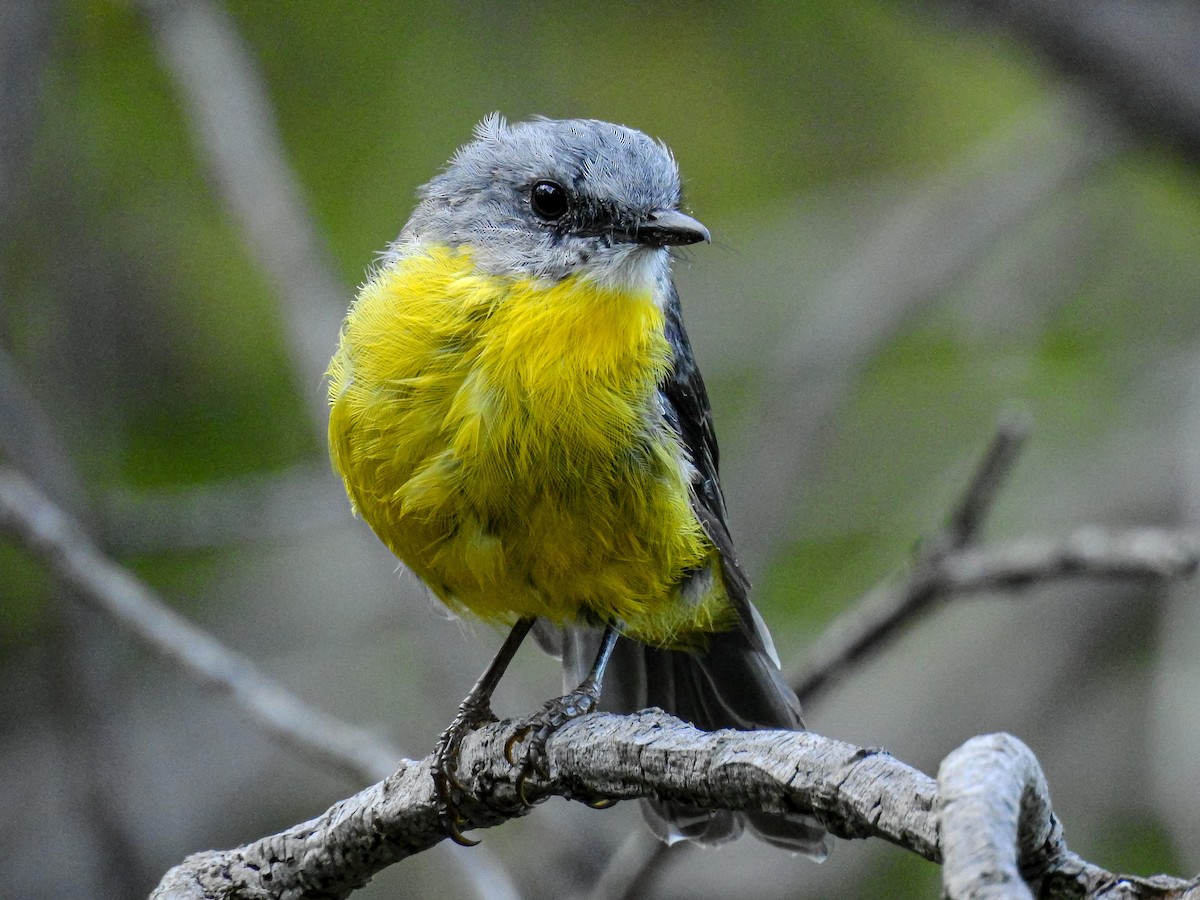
[(821, 142)]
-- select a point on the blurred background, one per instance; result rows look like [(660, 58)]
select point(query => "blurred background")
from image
[(924, 214)]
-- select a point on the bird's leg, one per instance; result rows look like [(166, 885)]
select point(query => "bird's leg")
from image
[(559, 712), (474, 711)]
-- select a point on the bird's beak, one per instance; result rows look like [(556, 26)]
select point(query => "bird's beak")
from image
[(668, 228)]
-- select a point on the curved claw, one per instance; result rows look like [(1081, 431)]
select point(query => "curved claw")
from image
[(450, 825), (520, 787), (538, 729), (443, 782), (513, 739)]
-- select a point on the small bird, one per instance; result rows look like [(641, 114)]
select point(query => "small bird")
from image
[(517, 413)]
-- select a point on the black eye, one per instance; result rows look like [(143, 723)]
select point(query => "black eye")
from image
[(549, 200)]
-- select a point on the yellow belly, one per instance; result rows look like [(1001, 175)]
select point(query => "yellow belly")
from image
[(502, 436)]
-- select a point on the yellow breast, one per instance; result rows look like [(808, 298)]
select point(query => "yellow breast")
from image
[(503, 437)]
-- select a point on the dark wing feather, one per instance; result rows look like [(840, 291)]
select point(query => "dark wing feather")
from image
[(690, 415)]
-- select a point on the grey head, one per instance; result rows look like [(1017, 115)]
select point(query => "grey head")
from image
[(551, 198)]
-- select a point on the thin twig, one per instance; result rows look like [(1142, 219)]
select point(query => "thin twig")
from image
[(1143, 553), (967, 518), (878, 615)]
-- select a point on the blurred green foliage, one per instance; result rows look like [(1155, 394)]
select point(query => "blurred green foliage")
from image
[(155, 346)]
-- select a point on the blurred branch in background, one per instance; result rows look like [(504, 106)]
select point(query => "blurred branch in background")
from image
[(1140, 553), (948, 225), (948, 567), (233, 129), (867, 624), (28, 516), (1139, 56), (236, 511)]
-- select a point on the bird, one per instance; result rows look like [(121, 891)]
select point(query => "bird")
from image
[(517, 413)]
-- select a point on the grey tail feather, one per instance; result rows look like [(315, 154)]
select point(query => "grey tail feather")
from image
[(733, 682)]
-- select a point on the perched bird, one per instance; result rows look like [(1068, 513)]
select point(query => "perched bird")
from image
[(516, 412)]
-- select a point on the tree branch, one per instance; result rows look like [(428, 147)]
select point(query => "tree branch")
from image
[(994, 807), (618, 757), (856, 792), (45, 530), (1137, 553), (1002, 841)]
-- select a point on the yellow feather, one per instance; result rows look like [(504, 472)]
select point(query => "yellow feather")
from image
[(499, 435)]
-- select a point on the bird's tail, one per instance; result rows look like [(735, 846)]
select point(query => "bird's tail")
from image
[(733, 682)]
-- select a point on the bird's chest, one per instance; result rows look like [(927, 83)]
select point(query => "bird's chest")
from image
[(558, 396), (548, 476), (511, 445), (466, 396)]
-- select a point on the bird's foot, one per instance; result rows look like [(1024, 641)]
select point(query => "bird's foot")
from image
[(447, 787), (540, 726)]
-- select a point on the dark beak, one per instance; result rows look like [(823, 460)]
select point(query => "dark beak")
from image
[(669, 228)]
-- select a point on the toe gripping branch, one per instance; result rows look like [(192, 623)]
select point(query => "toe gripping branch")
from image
[(472, 714), (537, 728), (476, 711)]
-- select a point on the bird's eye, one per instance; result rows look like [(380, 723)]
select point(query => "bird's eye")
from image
[(549, 200)]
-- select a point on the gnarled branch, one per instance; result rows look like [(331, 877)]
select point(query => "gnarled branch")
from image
[(856, 792)]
